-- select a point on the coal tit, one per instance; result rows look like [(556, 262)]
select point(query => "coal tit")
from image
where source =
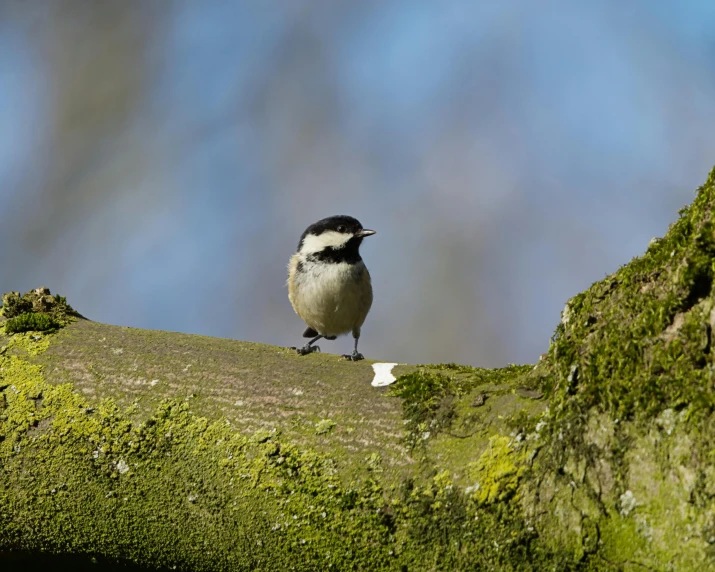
[(328, 283)]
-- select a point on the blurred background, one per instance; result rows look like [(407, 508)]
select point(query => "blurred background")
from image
[(159, 160)]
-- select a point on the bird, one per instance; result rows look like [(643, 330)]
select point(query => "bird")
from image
[(329, 285)]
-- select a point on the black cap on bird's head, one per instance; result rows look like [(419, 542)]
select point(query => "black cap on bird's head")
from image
[(333, 234)]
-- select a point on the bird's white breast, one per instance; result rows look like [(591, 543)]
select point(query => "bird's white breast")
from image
[(327, 296), (319, 280)]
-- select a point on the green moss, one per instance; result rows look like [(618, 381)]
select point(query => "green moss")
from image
[(36, 310), (496, 474), (324, 426), (425, 408), (181, 490), (30, 322), (434, 397), (93, 479), (40, 302), (253, 386), (638, 341), (629, 380)]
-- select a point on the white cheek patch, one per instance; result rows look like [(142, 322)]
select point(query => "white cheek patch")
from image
[(312, 243), (383, 374)]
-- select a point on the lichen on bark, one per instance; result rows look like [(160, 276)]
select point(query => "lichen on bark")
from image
[(627, 449), (178, 489)]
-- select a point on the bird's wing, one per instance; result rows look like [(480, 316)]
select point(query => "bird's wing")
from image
[(365, 300)]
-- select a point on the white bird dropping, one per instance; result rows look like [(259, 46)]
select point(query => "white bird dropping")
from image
[(383, 374)]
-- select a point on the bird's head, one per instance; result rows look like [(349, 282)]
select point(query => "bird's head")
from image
[(336, 238)]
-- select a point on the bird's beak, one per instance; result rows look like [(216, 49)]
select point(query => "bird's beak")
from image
[(365, 232)]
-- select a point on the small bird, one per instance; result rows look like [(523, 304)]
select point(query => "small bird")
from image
[(328, 283)]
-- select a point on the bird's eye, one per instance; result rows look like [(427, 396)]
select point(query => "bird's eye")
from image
[(341, 228)]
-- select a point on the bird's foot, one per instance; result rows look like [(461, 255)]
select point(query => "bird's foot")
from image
[(355, 356), (306, 349)]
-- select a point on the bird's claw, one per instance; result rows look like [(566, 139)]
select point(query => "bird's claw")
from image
[(306, 349), (355, 356)]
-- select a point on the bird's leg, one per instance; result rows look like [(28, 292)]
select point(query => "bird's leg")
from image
[(309, 347), (355, 356)]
